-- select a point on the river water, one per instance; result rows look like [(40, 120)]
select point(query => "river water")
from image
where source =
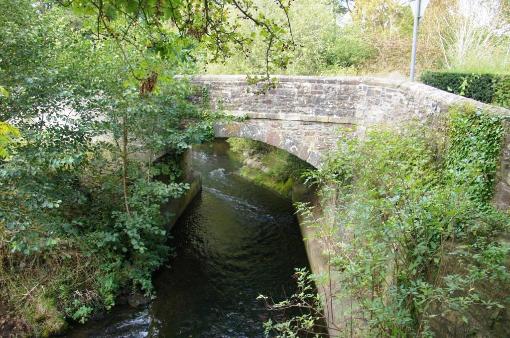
[(235, 241)]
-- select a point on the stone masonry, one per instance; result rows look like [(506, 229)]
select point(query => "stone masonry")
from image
[(305, 115)]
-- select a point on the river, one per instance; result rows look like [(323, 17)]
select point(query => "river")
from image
[(235, 241)]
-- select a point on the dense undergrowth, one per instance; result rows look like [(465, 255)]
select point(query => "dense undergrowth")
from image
[(80, 218), (268, 166), (414, 242), (488, 88)]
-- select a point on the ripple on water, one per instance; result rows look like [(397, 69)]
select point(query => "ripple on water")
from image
[(236, 240), (220, 173)]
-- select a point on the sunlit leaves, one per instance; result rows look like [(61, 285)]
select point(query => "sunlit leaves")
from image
[(3, 92), (8, 134), (74, 94), (213, 26)]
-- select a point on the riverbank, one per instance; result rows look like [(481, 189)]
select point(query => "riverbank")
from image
[(235, 241), (10, 325), (44, 296), (268, 166)]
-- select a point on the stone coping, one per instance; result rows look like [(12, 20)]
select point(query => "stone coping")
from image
[(415, 89)]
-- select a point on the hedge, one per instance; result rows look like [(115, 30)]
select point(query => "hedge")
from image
[(502, 91), (488, 88)]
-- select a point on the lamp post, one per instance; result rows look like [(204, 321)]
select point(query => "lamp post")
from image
[(418, 10)]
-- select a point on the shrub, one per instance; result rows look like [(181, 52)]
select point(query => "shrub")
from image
[(502, 91), (346, 48), (479, 87), (488, 88)]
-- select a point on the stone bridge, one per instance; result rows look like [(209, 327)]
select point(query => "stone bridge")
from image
[(305, 115)]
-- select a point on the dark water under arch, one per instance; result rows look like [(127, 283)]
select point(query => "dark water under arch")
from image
[(235, 241)]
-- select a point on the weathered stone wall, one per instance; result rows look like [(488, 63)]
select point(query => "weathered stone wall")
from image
[(338, 100), (175, 207), (307, 140), (304, 115)]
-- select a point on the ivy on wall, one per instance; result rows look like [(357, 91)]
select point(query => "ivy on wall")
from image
[(473, 152), (418, 252)]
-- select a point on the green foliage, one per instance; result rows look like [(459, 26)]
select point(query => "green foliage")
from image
[(345, 49), (8, 134), (78, 190), (268, 166), (488, 88), (411, 232), (475, 140), (342, 6), (247, 147), (383, 16), (3, 92), (307, 323), (82, 314), (479, 87), (321, 46), (502, 91), (214, 25), (140, 235)]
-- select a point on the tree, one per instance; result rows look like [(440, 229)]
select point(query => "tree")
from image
[(213, 24), (380, 15), (343, 6), (75, 199)]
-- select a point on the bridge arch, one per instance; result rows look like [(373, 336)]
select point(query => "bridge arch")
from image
[(296, 137), (303, 114)]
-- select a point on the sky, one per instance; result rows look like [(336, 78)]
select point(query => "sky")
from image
[(483, 12)]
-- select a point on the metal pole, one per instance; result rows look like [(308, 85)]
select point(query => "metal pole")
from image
[(415, 38)]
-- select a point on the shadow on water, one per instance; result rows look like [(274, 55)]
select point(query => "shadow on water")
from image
[(235, 241)]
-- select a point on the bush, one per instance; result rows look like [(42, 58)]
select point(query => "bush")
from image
[(411, 234), (479, 87), (502, 91), (487, 88), (346, 48)]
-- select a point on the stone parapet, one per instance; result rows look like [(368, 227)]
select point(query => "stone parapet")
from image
[(306, 114)]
